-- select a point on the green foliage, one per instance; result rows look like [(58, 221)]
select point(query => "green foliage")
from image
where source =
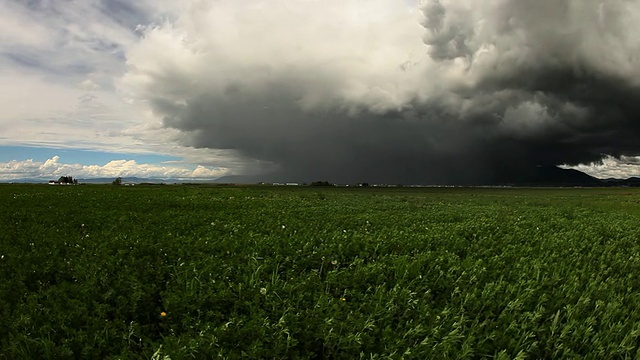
[(321, 183), (278, 272), (117, 181), (67, 180)]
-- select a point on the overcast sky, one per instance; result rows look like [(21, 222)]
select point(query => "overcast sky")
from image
[(448, 91)]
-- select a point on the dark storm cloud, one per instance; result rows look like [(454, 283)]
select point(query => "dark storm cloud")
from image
[(328, 144), (572, 61), (479, 92)]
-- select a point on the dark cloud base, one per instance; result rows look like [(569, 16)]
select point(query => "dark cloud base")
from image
[(427, 144)]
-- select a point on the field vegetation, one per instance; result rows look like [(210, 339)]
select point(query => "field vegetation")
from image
[(178, 272)]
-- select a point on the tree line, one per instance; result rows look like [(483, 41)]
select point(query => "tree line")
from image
[(67, 180)]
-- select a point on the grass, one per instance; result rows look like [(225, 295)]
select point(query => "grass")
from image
[(291, 272)]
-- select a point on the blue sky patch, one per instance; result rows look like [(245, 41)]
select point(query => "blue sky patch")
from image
[(76, 156)]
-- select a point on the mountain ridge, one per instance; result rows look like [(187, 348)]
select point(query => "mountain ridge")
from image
[(541, 176)]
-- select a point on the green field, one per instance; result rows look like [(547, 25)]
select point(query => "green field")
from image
[(197, 272)]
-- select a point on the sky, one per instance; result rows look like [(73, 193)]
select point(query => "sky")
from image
[(397, 91)]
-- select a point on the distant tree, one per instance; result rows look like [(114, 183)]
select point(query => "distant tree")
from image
[(321, 183), (67, 180), (117, 181)]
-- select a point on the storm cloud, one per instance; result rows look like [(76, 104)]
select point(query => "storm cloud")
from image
[(458, 92)]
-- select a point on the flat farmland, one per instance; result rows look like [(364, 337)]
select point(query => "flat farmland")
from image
[(179, 271)]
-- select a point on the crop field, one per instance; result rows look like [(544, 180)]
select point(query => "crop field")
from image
[(197, 272)]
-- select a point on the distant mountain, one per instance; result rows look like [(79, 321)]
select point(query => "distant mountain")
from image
[(241, 179), (27, 181), (632, 182), (550, 176), (538, 176), (137, 180), (125, 180)]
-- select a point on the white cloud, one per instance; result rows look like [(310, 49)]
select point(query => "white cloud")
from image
[(610, 167), (341, 52), (60, 64), (54, 59), (53, 168)]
